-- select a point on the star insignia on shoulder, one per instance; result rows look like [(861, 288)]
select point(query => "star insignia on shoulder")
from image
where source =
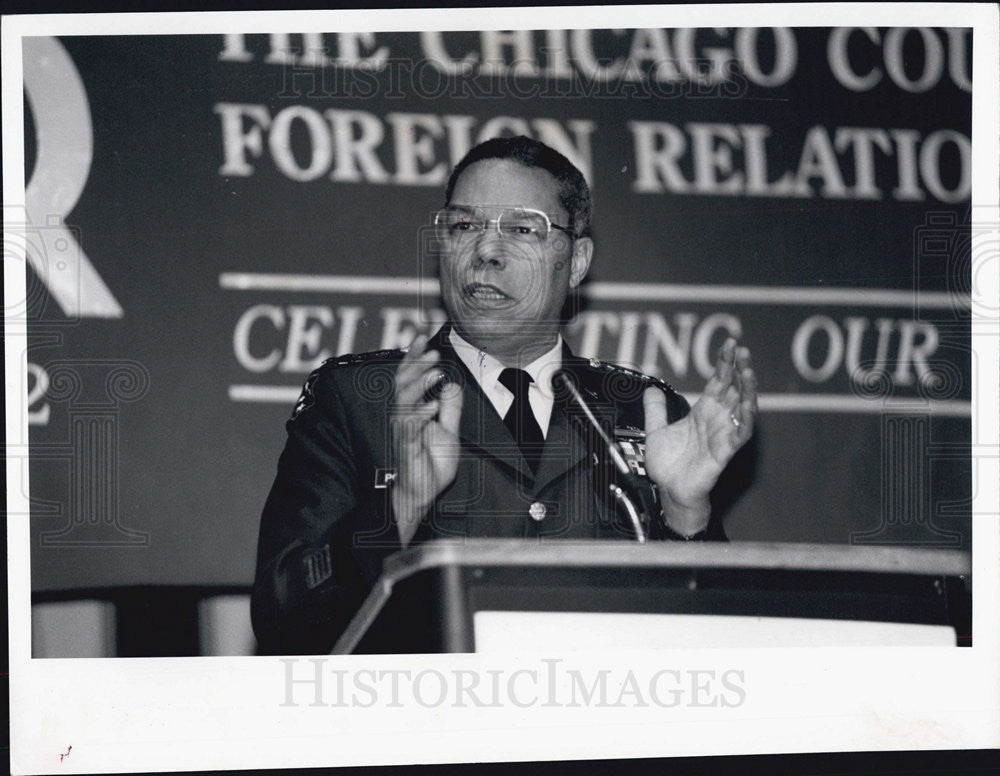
[(633, 373), (307, 398), (373, 355)]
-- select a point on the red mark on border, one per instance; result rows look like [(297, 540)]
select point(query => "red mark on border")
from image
[(66, 753)]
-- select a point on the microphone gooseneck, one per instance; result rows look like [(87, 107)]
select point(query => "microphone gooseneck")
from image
[(634, 512)]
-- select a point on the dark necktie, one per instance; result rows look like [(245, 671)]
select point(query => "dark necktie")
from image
[(520, 420)]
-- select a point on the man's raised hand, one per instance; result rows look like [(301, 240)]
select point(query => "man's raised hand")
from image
[(686, 458), (424, 425)]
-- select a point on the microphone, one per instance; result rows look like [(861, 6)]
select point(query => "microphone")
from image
[(635, 513)]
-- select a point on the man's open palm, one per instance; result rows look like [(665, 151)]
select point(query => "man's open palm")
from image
[(685, 458)]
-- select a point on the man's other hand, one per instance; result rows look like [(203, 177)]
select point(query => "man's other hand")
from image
[(686, 458), (424, 427)]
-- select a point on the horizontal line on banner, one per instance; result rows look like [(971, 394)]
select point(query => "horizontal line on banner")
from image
[(833, 402), (769, 402), (868, 297), (344, 284), (284, 394), (651, 292)]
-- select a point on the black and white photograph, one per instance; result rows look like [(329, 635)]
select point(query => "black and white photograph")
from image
[(446, 372)]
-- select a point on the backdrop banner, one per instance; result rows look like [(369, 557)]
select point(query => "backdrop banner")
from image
[(212, 216)]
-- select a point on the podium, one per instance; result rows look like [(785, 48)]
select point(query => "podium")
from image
[(484, 594)]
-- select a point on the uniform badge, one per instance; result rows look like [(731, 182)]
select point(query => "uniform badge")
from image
[(318, 567)]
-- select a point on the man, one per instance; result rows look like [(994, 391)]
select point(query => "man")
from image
[(477, 431)]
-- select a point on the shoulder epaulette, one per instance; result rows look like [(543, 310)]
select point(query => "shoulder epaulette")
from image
[(308, 396), (607, 368), (373, 355)]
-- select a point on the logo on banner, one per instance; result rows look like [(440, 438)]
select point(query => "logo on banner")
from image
[(65, 150)]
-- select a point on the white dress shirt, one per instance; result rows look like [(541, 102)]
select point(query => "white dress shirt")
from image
[(486, 369)]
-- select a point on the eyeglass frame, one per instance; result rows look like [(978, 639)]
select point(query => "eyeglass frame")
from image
[(548, 221)]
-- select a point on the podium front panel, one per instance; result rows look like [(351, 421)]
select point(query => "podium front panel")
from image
[(608, 595), (497, 631)]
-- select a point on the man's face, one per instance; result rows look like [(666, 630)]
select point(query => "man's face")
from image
[(504, 294)]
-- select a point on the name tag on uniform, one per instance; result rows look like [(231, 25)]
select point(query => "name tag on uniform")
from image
[(385, 477)]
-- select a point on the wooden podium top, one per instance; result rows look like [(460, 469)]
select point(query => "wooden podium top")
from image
[(678, 556), (750, 555)]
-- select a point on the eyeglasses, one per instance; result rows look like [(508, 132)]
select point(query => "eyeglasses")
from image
[(518, 223)]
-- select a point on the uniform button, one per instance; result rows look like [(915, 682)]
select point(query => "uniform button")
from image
[(537, 511)]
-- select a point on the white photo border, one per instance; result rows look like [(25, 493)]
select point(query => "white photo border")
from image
[(227, 713)]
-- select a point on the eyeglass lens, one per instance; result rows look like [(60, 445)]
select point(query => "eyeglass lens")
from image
[(516, 223)]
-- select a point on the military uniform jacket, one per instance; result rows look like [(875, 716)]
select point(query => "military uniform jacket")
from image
[(327, 524)]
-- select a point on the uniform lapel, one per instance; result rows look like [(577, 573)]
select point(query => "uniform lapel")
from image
[(566, 444), (480, 426), (564, 449)]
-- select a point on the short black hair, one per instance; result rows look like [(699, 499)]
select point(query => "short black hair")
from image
[(574, 193)]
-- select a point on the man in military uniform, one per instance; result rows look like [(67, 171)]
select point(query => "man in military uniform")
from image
[(476, 431)]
